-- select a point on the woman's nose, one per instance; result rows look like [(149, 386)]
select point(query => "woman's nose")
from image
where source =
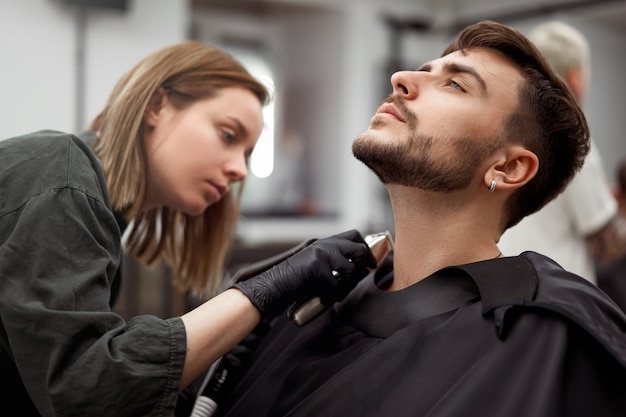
[(237, 168), (404, 84)]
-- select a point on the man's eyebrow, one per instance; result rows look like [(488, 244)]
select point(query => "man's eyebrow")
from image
[(456, 68)]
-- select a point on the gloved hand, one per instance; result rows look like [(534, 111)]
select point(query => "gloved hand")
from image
[(310, 272)]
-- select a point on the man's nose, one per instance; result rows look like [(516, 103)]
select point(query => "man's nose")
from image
[(405, 84)]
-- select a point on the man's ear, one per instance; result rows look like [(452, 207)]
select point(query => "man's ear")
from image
[(153, 110), (515, 167)]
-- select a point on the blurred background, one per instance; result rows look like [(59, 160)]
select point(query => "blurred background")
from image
[(328, 63)]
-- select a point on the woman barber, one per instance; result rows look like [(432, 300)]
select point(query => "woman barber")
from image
[(161, 158)]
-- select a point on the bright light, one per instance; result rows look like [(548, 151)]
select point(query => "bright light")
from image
[(262, 158)]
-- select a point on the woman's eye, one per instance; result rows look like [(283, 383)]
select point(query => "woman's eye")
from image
[(228, 135)]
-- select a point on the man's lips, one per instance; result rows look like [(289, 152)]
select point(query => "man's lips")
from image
[(388, 108)]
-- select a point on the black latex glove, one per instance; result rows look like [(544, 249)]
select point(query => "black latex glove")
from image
[(309, 272)]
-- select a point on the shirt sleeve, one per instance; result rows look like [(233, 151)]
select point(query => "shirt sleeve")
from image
[(76, 357), (589, 196)]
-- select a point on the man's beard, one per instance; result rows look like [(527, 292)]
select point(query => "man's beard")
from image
[(410, 162)]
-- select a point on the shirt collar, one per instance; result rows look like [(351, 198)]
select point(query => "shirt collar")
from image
[(380, 313), (502, 281)]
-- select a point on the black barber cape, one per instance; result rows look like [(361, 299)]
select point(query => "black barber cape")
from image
[(514, 336)]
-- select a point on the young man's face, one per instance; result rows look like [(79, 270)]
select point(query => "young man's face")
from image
[(441, 121)]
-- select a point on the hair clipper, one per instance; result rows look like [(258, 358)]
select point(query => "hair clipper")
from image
[(306, 309)]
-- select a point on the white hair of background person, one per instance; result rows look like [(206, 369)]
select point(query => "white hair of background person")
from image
[(566, 48)]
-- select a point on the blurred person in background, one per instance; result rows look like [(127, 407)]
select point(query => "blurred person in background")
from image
[(612, 274), (161, 158), (579, 226)]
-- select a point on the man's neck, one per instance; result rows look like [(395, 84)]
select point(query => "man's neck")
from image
[(429, 237)]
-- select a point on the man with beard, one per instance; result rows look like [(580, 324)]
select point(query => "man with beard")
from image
[(466, 146)]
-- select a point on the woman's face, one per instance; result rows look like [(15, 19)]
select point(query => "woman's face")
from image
[(195, 154)]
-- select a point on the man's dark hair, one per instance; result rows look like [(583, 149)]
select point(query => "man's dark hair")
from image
[(547, 120)]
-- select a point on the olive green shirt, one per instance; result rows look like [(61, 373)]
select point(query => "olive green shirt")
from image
[(62, 351)]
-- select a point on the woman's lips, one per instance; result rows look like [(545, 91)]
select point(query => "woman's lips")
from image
[(217, 191)]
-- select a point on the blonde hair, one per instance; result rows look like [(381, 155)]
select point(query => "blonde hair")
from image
[(194, 247)]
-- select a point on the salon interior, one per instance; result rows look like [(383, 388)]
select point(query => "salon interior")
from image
[(328, 64)]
